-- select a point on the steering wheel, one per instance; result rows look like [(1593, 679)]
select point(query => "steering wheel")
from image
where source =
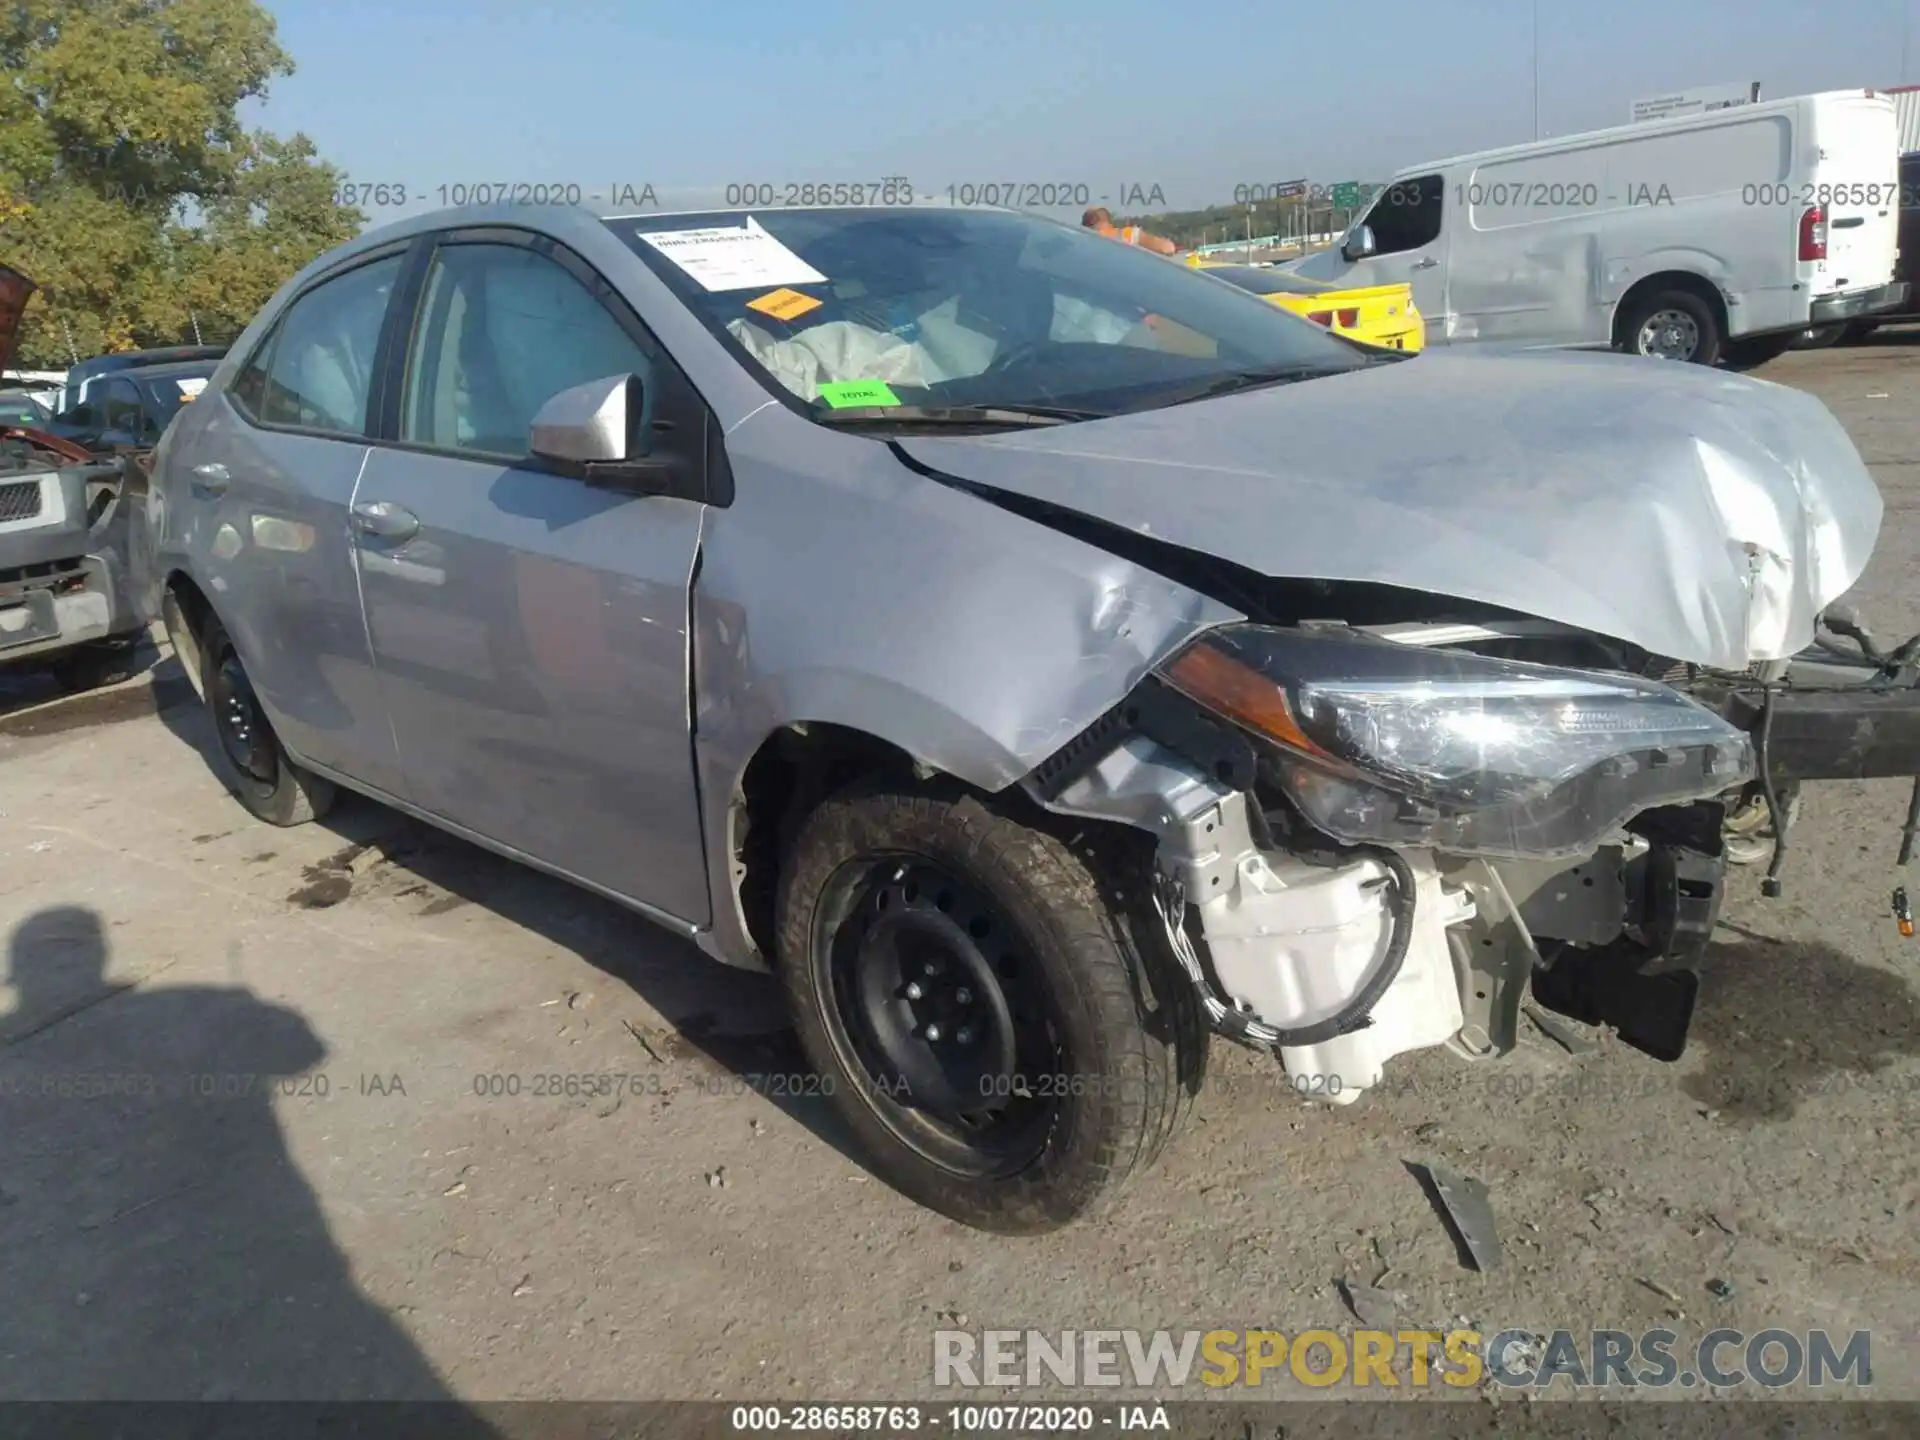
[(1014, 354)]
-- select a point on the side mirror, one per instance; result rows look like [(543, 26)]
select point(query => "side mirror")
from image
[(1359, 243), (601, 432)]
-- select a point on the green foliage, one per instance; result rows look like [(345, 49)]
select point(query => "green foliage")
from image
[(130, 190)]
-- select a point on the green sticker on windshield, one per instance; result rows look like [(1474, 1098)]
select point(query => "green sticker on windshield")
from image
[(857, 394)]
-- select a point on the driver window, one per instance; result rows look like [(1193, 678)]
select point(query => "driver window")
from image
[(502, 331), (1408, 215)]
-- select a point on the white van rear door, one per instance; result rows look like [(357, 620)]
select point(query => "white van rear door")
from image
[(1857, 178)]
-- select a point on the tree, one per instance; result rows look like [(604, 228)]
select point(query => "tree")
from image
[(130, 190)]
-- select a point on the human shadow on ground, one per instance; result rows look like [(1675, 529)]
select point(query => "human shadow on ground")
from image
[(157, 1241)]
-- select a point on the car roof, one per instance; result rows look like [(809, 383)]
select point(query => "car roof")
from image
[(131, 359), (166, 370)]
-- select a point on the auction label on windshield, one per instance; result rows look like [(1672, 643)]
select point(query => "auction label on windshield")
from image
[(853, 394), (733, 257), (784, 304)]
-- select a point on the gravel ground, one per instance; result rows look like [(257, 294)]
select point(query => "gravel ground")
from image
[(310, 1180)]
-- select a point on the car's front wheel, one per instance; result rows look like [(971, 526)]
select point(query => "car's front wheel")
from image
[(991, 1012), (248, 756)]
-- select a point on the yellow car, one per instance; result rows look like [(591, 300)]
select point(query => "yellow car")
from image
[(1382, 315)]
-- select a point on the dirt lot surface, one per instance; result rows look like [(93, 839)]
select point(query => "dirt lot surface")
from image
[(322, 1168)]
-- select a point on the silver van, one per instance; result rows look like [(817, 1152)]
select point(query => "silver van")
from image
[(1697, 237)]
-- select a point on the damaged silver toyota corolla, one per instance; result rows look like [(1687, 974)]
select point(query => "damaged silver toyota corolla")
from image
[(1042, 656)]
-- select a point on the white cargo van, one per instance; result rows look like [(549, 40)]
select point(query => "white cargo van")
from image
[(1689, 238)]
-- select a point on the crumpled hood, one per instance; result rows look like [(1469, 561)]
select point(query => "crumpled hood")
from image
[(1700, 515)]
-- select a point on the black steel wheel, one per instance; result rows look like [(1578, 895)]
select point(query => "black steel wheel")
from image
[(992, 1018), (935, 1003), (247, 755)]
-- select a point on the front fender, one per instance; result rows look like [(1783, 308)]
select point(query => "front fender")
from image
[(884, 601)]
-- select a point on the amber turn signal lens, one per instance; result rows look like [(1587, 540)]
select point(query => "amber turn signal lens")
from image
[(1224, 685)]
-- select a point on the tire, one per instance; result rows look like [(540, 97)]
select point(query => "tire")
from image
[(1078, 997), (1751, 354), (247, 755), (95, 664), (1692, 320)]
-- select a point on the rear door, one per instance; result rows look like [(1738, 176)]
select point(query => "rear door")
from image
[(272, 465), (1857, 178), (531, 630)]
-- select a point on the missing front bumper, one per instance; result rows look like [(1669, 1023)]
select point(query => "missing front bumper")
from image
[(1852, 734)]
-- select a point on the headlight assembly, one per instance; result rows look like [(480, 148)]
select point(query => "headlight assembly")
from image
[(1400, 745)]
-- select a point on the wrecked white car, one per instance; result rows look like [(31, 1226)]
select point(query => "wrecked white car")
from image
[(1043, 657)]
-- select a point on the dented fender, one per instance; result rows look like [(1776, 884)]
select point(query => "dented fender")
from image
[(844, 588)]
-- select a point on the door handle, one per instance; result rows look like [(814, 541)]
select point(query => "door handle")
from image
[(212, 477), (385, 519), (1426, 264)]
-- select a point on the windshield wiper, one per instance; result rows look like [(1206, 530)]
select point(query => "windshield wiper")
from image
[(956, 415), (1249, 380)]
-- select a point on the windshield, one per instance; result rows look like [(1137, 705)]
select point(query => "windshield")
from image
[(165, 395), (865, 307)]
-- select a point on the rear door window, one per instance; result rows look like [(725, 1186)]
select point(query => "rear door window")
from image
[(315, 371)]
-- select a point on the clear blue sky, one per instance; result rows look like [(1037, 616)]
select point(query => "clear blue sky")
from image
[(1194, 97)]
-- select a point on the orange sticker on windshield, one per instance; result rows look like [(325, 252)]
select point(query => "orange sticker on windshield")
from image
[(784, 304)]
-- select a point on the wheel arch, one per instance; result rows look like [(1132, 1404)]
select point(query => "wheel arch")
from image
[(1691, 281), (184, 612)]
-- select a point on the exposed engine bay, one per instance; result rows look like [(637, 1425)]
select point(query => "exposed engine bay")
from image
[(1379, 834)]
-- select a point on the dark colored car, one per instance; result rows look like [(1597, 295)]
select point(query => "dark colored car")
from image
[(79, 378), (129, 408), (19, 408)]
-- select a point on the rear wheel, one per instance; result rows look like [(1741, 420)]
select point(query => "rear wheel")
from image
[(1003, 1034), (249, 756), (1673, 325)]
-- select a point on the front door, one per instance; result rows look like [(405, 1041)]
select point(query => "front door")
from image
[(531, 630), (1410, 248)]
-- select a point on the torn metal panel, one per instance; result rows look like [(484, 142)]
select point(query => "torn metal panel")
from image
[(1464, 1204), (1700, 515)]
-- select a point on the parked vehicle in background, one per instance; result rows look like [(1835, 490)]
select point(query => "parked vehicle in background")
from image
[(80, 379), (129, 408), (1904, 268), (874, 596), (1696, 237), (19, 407), (67, 600), (1382, 315)]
